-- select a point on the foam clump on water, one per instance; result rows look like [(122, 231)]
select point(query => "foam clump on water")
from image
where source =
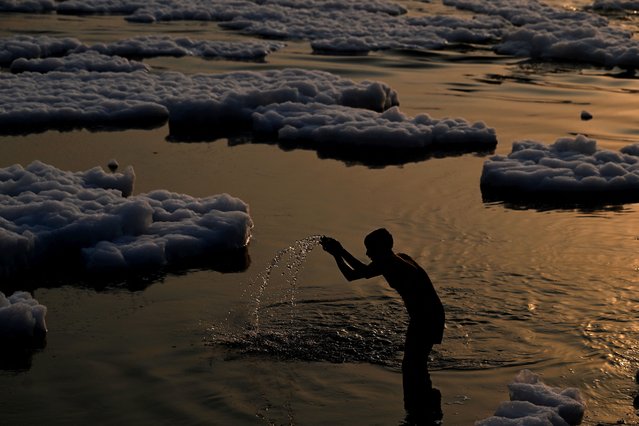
[(528, 28), (89, 99), (295, 106), (24, 46), (350, 127), (23, 52), (21, 317), (534, 29), (572, 168), (49, 217), (87, 61), (533, 403), (149, 46)]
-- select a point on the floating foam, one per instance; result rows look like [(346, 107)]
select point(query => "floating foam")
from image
[(348, 30), (90, 219), (571, 169), (522, 28), (296, 106), (27, 47), (31, 101), (207, 10), (345, 27), (32, 47), (150, 46), (31, 6), (87, 61), (533, 403), (540, 31), (21, 317), (342, 127)]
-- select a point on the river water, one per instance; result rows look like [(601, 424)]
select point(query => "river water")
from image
[(547, 289)]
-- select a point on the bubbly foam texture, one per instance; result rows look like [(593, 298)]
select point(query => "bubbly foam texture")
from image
[(534, 403), (50, 218), (21, 317)]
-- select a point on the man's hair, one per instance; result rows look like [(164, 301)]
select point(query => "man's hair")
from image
[(379, 238)]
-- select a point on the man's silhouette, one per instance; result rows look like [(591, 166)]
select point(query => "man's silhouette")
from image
[(426, 312)]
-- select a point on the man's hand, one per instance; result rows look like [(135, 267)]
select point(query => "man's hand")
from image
[(331, 245)]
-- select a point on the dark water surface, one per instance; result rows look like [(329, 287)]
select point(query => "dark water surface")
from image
[(552, 290)]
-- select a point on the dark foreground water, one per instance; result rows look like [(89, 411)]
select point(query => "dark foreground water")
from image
[(552, 290)]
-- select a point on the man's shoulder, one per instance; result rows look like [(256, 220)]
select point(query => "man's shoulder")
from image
[(405, 256)]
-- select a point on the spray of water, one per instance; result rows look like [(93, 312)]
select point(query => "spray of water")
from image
[(290, 261), (283, 321)]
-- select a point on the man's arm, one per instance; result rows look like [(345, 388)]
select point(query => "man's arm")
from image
[(349, 265)]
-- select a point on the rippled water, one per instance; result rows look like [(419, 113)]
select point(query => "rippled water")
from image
[(289, 341)]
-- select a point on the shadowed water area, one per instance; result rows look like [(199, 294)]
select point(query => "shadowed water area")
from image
[(281, 337)]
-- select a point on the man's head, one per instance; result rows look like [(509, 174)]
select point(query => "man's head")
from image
[(378, 243)]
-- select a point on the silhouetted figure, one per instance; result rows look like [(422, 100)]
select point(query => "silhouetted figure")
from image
[(426, 312)]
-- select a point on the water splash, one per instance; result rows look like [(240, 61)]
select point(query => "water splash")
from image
[(293, 258), (284, 320), (279, 323)]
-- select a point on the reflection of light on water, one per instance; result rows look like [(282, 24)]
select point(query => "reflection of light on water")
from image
[(617, 340)]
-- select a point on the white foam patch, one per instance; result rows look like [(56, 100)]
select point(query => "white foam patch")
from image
[(353, 26), (21, 317), (30, 6), (87, 61), (209, 10), (20, 48), (87, 99), (47, 213), (160, 45), (521, 28), (295, 105), (533, 403), (32, 47), (570, 166), (544, 32), (331, 126), (350, 30)]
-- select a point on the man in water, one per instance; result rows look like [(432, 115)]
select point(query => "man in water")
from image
[(425, 310)]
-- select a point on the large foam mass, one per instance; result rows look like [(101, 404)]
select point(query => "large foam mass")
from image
[(522, 27), (21, 317), (533, 403), (30, 6), (537, 30), (49, 215), (569, 169), (41, 53), (30, 47), (162, 45), (90, 99), (332, 126)]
